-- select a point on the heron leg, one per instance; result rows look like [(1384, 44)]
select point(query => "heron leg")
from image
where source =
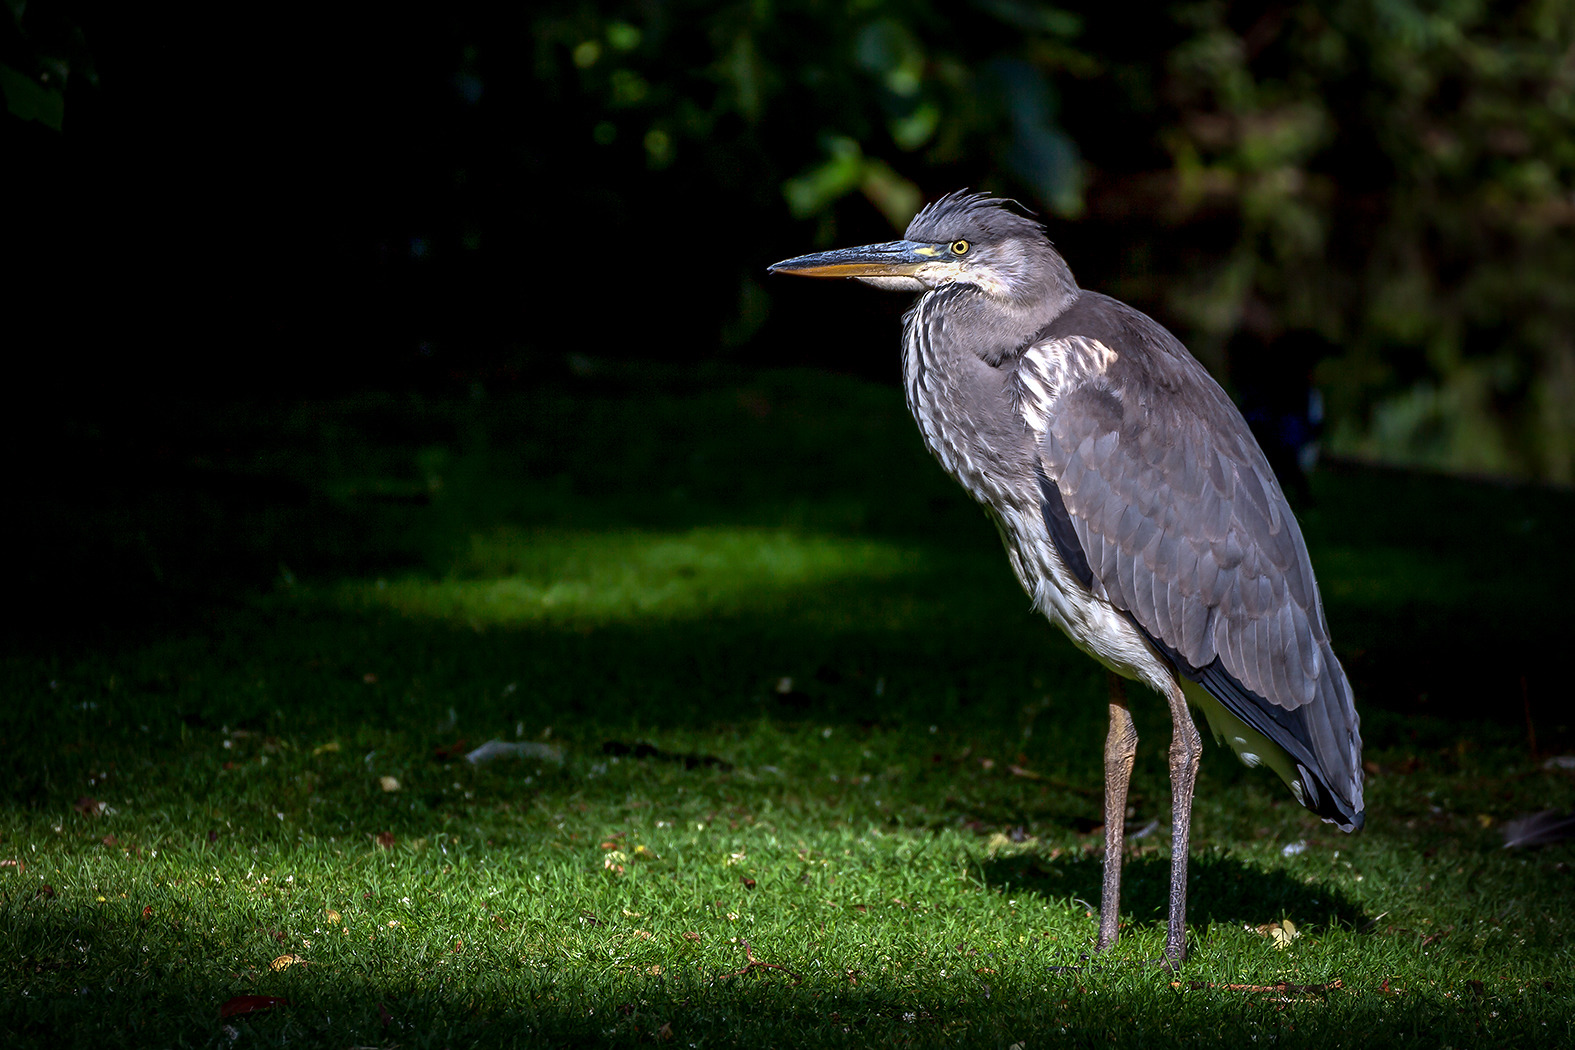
[(1120, 749), (1186, 749)]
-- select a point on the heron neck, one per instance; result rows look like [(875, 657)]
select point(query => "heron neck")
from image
[(996, 328), (955, 342)]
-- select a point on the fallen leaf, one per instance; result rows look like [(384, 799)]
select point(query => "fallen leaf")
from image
[(665, 1033), (250, 1004), (388, 783), (691, 935), (748, 882), (449, 752), (331, 915), (645, 853), (284, 962), (88, 806), (147, 911), (326, 749), (385, 839), (1000, 840), (1281, 933)]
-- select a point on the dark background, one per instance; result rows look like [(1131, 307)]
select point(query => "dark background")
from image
[(213, 202)]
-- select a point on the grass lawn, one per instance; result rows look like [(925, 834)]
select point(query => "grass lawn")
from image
[(806, 770)]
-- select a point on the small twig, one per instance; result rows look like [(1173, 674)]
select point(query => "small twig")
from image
[(1370, 923), (1282, 988), (1531, 729), (749, 954)]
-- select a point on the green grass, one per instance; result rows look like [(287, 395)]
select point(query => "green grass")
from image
[(259, 645)]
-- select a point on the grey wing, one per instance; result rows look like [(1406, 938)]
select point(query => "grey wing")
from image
[(1183, 527)]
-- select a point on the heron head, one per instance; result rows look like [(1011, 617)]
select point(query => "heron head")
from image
[(963, 238)]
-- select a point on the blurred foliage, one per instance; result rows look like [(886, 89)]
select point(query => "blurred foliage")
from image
[(855, 97), (1400, 175), (40, 47), (1395, 176)]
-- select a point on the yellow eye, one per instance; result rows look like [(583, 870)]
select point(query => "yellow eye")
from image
[(959, 247)]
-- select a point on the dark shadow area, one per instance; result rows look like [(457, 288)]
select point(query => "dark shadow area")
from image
[(1443, 594), (1219, 889), (509, 1003)]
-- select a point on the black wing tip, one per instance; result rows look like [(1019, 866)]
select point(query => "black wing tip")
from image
[(1347, 821), (1283, 728), (1322, 800), (1058, 522)]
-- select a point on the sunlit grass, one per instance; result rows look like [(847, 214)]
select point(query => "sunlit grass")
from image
[(845, 742), (522, 576)]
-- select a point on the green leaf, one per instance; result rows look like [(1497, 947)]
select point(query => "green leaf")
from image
[(30, 100)]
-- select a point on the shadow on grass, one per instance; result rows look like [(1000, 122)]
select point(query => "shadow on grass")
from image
[(524, 998), (158, 524), (1219, 889)]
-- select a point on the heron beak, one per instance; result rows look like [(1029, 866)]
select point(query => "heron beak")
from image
[(892, 259)]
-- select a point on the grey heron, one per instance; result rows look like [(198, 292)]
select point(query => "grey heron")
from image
[(1137, 510)]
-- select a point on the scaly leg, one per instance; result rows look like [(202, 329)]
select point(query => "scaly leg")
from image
[(1186, 748), (1120, 749)]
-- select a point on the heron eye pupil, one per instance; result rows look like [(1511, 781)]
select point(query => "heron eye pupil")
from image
[(959, 247)]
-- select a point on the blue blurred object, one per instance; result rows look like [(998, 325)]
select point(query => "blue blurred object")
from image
[(1273, 377)]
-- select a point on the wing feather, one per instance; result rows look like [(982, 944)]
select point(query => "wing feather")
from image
[(1185, 529)]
